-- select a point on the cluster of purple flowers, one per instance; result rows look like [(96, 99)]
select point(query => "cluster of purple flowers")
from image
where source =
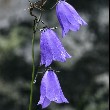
[(51, 49)]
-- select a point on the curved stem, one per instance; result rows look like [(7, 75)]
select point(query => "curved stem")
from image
[(33, 66), (36, 23)]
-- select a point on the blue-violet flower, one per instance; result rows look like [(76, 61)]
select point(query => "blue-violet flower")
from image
[(51, 48), (68, 17), (51, 90)]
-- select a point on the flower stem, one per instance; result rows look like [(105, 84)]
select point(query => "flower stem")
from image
[(35, 27), (33, 66)]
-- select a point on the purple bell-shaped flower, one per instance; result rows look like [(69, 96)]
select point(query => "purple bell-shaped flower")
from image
[(51, 48), (51, 90), (68, 17)]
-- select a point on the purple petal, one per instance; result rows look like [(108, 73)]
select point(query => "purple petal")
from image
[(69, 19), (58, 51), (46, 55), (51, 90), (46, 103), (51, 48), (62, 20), (72, 11)]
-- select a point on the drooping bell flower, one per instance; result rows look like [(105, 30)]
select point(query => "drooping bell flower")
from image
[(68, 17), (51, 90), (51, 48)]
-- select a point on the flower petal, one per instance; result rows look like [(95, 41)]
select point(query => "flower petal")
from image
[(62, 19), (51, 90), (46, 55), (58, 51), (69, 19), (46, 103), (72, 11), (51, 48)]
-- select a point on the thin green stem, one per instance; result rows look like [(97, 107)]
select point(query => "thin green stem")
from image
[(36, 23), (33, 69)]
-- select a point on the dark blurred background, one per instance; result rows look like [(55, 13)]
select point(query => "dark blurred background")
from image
[(84, 78)]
